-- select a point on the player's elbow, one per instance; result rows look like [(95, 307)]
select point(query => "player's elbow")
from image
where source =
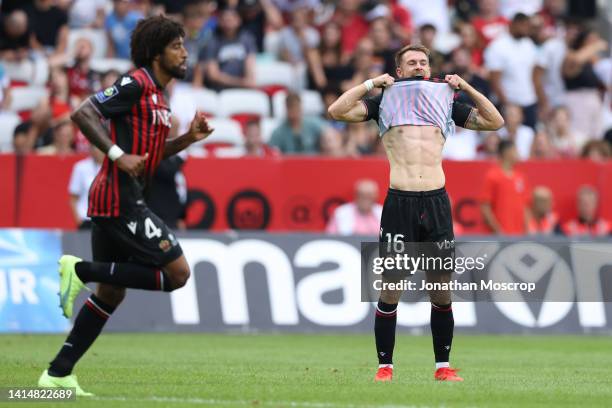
[(333, 112), (498, 123)]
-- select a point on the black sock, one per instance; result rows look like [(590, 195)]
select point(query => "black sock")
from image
[(87, 326), (127, 275), (442, 325), (384, 331)]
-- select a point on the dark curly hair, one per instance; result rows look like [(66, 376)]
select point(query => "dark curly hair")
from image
[(151, 36)]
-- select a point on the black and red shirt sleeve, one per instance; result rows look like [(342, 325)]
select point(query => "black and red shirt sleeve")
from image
[(119, 98), (372, 105), (461, 113)]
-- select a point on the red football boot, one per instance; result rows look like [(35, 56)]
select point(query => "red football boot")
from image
[(384, 374), (447, 374)]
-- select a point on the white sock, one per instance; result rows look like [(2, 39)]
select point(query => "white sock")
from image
[(440, 365), (385, 365)]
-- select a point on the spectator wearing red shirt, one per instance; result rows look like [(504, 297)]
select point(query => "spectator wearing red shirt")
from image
[(543, 220), (587, 222), (488, 22), (353, 26), (504, 199), (81, 78)]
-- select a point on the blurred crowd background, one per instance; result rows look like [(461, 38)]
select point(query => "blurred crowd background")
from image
[(265, 72)]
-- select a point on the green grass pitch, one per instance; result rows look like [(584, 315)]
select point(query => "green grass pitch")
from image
[(319, 371)]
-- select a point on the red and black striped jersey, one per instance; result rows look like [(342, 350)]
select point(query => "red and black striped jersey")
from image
[(139, 119)]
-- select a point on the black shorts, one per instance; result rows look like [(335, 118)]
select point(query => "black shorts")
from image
[(411, 216), (138, 236)]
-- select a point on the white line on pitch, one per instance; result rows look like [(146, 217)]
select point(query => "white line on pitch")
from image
[(208, 401)]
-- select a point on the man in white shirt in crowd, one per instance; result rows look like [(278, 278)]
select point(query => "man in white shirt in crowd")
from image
[(510, 58), (514, 130), (360, 217), (83, 173)]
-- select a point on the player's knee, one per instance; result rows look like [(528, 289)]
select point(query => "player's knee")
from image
[(179, 278), (111, 295), (390, 297), (440, 297)]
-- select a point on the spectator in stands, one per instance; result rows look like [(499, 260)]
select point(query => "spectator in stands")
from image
[(489, 147), (504, 198), (582, 96), (470, 41), (353, 26), (63, 137), (254, 144), (259, 15), (437, 60), (461, 64), (14, 36), (364, 65), (548, 82), (566, 141), (434, 12), (552, 13), (297, 134), (511, 59), (331, 143), (488, 23), (360, 217), (83, 173), (109, 78), (81, 78), (510, 8), (87, 14), (543, 220), (542, 147), (385, 46), (598, 151), (49, 25), (515, 130), (5, 90), (21, 138), (330, 50), (362, 138), (230, 54), (299, 44), (588, 222), (199, 27), (119, 25)]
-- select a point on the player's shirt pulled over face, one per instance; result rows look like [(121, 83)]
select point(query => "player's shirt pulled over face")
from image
[(139, 118)]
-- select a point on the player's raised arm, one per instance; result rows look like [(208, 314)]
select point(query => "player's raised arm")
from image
[(485, 115), (349, 108), (199, 129)]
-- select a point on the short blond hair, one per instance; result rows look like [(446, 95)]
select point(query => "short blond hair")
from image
[(410, 47)]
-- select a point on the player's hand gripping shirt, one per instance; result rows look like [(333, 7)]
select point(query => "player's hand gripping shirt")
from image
[(419, 102)]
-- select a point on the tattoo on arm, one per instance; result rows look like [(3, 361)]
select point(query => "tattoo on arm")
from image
[(473, 120)]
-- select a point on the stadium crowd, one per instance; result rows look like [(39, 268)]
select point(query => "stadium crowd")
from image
[(265, 71)]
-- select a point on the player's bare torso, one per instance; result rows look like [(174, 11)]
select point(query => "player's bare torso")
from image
[(415, 157)]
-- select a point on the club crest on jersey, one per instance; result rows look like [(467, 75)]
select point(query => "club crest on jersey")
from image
[(106, 94)]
